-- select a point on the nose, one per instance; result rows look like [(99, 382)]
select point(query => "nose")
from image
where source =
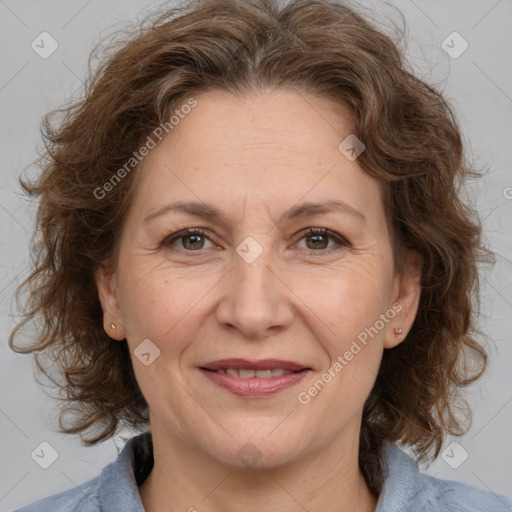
[(255, 298)]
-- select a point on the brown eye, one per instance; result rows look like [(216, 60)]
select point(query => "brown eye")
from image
[(318, 239), (192, 241), (189, 240)]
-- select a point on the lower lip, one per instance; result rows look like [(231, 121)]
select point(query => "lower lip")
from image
[(254, 387)]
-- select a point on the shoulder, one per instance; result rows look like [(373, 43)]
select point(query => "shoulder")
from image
[(407, 490), (115, 489), (451, 496), (83, 498)]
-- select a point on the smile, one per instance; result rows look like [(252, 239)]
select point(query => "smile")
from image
[(254, 379), (244, 373)]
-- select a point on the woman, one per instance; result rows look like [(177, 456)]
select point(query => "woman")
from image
[(253, 250)]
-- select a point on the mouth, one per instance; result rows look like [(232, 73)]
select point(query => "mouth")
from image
[(245, 373), (254, 379)]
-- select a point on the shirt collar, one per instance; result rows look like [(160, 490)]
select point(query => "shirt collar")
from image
[(403, 483), (119, 481)]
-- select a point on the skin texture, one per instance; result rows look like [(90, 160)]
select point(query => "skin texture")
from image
[(303, 299)]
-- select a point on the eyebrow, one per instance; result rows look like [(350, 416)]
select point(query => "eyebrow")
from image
[(305, 209)]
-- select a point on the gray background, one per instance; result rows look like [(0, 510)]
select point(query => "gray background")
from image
[(479, 85)]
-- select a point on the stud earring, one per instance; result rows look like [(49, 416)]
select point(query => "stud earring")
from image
[(113, 325), (398, 330)]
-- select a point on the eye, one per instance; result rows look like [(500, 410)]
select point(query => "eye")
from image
[(190, 239), (317, 240)]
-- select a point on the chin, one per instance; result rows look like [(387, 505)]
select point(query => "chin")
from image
[(258, 451)]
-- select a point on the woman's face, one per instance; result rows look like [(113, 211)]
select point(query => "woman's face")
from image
[(254, 283)]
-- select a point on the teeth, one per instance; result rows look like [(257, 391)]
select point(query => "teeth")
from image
[(248, 374), (264, 374)]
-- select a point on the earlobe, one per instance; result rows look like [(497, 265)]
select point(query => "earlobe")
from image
[(107, 294), (407, 294)]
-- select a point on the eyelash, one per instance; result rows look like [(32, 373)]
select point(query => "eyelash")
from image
[(341, 241)]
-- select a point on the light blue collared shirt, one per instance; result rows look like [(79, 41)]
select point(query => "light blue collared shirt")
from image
[(405, 489)]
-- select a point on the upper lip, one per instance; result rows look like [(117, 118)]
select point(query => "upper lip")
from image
[(261, 364)]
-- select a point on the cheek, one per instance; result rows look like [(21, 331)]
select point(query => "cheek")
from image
[(343, 301), (159, 307), (345, 318)]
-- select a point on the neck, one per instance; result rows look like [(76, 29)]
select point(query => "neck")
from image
[(185, 479)]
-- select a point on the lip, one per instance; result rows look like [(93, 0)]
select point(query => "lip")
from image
[(254, 387), (261, 364)]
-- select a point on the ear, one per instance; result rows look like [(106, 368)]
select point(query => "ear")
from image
[(406, 294), (107, 292)]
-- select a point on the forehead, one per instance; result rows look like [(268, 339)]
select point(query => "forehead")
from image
[(270, 148)]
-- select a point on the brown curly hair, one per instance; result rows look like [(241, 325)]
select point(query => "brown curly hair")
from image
[(413, 148)]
